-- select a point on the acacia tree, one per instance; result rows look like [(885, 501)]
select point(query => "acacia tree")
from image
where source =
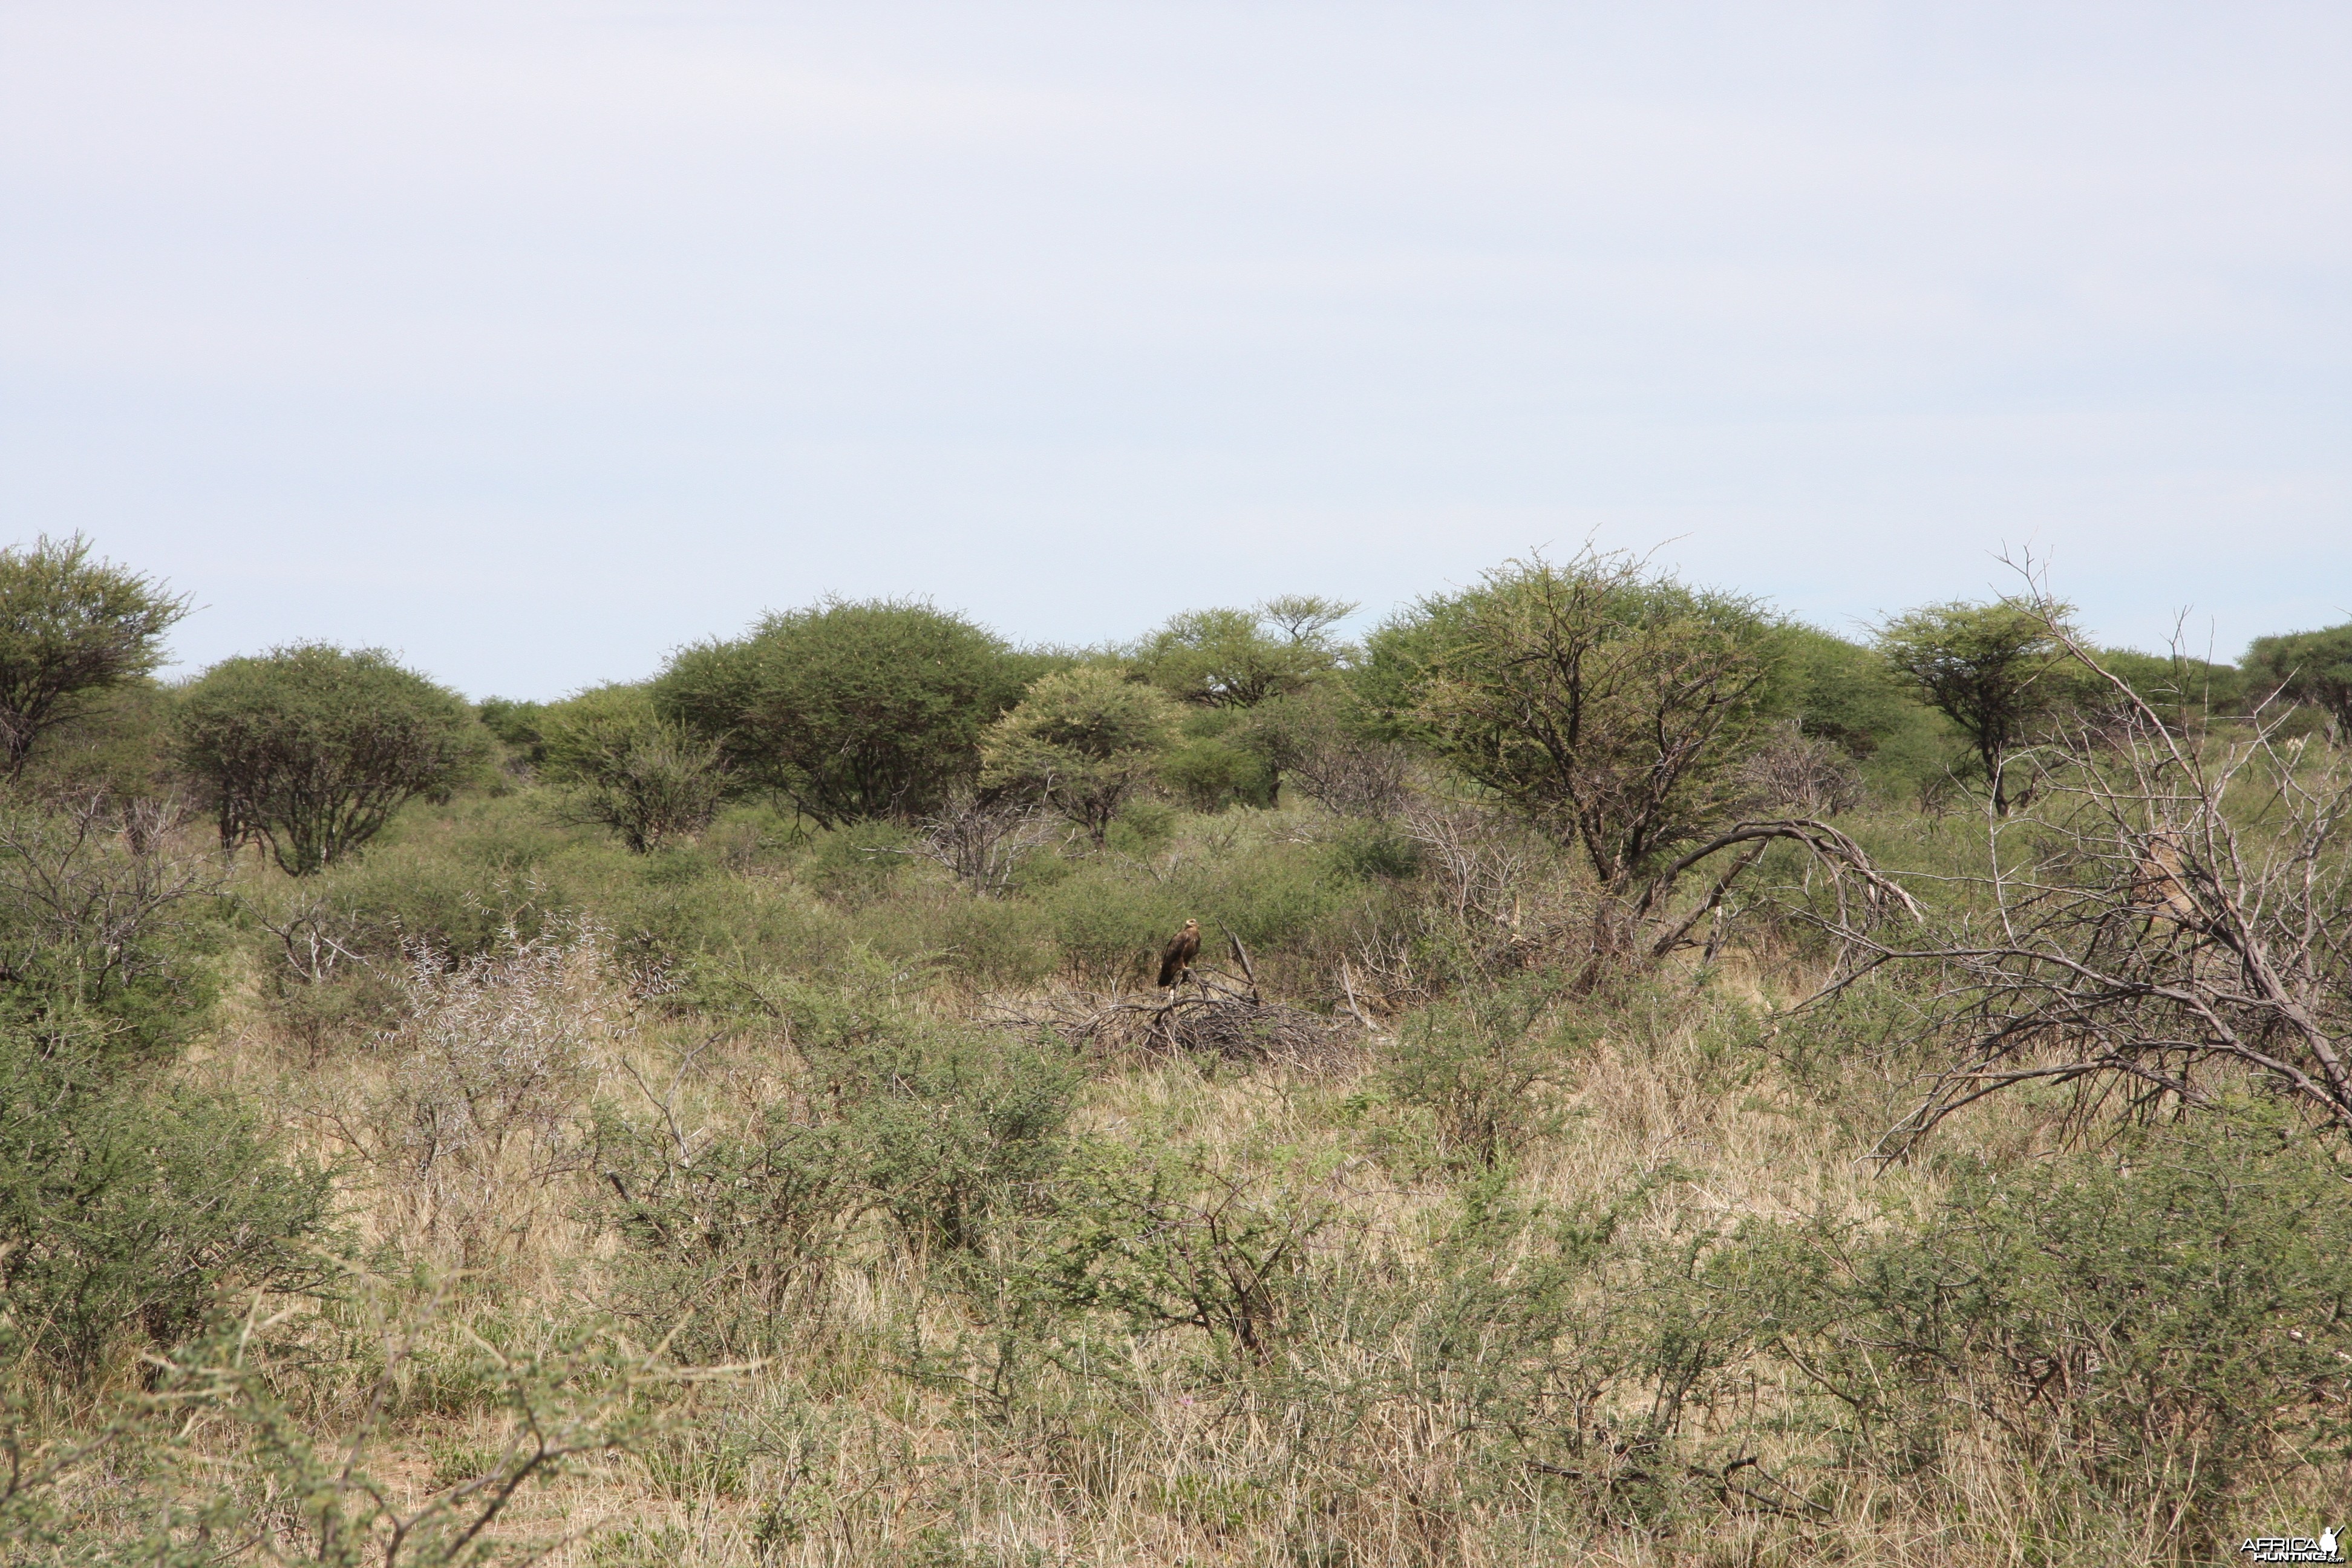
[(1612, 709), (70, 627), (849, 710), (1246, 675), (1239, 658), (1609, 705), (617, 764), (311, 747), (1083, 741), (1996, 671), (2308, 667)]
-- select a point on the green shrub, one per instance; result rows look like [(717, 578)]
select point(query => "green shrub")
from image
[(1269, 895), (951, 1122), (517, 727), (1082, 741), (2313, 667), (958, 1124), (1001, 944), (1109, 922), (1240, 659), (333, 948), (437, 896), (1845, 693), (1167, 1238), (1609, 705), (2184, 691), (619, 765), (1574, 1352), (1143, 826), (726, 1243), (105, 927), (1371, 850), (127, 1203), (850, 710), (1209, 774), (1469, 1077), (857, 862), (1999, 671), (2153, 1328), (494, 871)]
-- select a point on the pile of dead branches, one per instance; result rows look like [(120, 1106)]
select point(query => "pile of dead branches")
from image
[(1209, 1013)]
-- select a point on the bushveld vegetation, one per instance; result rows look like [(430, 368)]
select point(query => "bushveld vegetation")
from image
[(1660, 1084)]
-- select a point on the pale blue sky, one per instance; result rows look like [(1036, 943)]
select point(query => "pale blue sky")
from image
[(534, 340)]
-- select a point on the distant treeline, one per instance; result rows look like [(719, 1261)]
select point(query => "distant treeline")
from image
[(852, 711)]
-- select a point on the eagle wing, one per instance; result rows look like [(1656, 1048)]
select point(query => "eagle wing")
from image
[(1177, 956)]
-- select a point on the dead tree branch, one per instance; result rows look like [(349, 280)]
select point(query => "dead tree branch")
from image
[(2170, 910)]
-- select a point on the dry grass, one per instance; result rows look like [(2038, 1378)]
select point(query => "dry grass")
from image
[(466, 1138), (828, 1455)]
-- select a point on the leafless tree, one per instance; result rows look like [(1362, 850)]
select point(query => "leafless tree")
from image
[(1351, 775), (983, 839), (319, 935), (1792, 771), (1480, 860)]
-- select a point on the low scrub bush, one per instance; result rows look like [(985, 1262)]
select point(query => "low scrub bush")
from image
[(2154, 1330), (478, 1102), (727, 1235), (129, 1206), (936, 1130), (958, 1124), (991, 943), (1469, 1084), (223, 1449), (1110, 922), (1576, 1356), (1168, 1240)]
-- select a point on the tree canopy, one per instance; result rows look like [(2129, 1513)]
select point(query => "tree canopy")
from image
[(2307, 667), (850, 710), (1609, 705), (70, 627), (1842, 692), (311, 747), (1083, 740), (1996, 671), (1239, 658)]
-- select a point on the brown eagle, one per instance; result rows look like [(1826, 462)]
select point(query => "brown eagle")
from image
[(1176, 958)]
